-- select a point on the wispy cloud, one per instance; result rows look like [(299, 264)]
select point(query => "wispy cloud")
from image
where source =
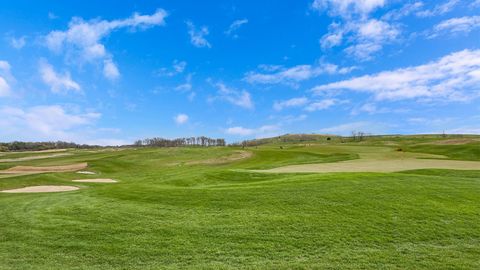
[(178, 67), (439, 9), (57, 82), (197, 36), (236, 97), (293, 102), (110, 70), (231, 31), (43, 122), (406, 10), (453, 26), (454, 77), (5, 77), (323, 104), (293, 75), (18, 43)]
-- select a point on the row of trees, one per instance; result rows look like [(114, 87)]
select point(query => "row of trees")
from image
[(189, 141), (359, 136), (37, 146)]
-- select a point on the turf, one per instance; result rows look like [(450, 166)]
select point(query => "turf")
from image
[(166, 214)]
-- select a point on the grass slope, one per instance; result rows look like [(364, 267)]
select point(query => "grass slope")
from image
[(166, 214)]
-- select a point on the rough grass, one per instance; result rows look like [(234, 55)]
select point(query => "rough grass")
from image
[(215, 216)]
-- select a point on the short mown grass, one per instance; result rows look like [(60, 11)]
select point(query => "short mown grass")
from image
[(165, 214)]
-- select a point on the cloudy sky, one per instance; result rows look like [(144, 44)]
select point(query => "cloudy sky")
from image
[(116, 71)]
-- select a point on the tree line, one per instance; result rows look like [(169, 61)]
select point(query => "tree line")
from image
[(37, 146), (187, 141)]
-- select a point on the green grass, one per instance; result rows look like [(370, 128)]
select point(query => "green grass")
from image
[(165, 214)]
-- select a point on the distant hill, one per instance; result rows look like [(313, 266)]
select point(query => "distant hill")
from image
[(363, 137)]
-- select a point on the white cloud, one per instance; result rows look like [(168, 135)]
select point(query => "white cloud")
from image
[(18, 43), (462, 25), (5, 76), (347, 8), (363, 35), (42, 123), (82, 40), (181, 118), (197, 36), (440, 9), (110, 70), (475, 3), (371, 36), (4, 88), (295, 74), (263, 131), (323, 104), (366, 37), (57, 82), (294, 102), (455, 77), (234, 27), (239, 98), (334, 37)]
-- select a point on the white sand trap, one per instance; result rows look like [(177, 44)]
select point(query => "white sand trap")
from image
[(86, 172), (98, 180), (46, 169), (365, 165), (41, 189), (34, 157)]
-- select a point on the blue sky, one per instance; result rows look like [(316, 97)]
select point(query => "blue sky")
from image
[(110, 72)]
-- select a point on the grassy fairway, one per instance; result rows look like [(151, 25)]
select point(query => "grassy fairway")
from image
[(168, 213)]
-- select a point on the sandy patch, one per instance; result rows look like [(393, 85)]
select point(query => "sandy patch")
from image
[(33, 169), (454, 141), (40, 189), (86, 172), (98, 180), (364, 165), (237, 155), (34, 157)]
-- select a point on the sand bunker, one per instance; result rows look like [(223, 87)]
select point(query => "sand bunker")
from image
[(34, 157), (98, 180), (86, 172), (34, 170), (40, 189), (237, 155), (364, 165)]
